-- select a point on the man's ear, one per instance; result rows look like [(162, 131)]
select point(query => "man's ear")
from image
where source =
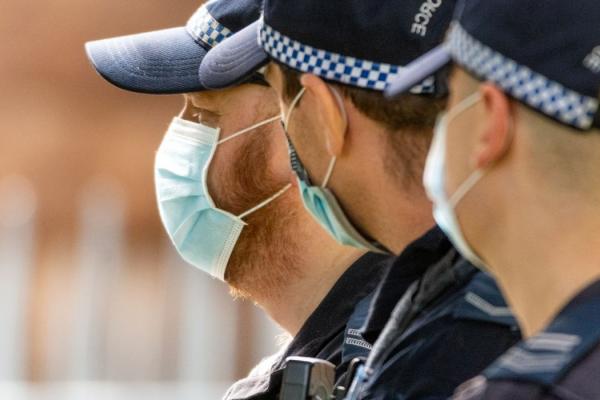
[(331, 114), (498, 127)]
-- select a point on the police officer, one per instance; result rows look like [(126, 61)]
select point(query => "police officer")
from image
[(358, 159), (513, 173), (234, 141)]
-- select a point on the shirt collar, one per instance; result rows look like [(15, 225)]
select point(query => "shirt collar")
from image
[(546, 357), (409, 266), (319, 331), (333, 312)]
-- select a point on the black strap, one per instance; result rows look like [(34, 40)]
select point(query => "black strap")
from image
[(417, 298), (421, 294)]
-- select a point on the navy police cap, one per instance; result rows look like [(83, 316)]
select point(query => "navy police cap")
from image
[(361, 43), (544, 54), (167, 61)]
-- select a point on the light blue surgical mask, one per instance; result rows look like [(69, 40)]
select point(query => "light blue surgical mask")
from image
[(320, 202), (203, 234), (434, 180)]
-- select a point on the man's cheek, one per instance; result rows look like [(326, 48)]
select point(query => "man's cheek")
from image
[(293, 180), (279, 161), (219, 174)]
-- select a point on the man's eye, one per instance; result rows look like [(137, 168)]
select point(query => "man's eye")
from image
[(207, 117)]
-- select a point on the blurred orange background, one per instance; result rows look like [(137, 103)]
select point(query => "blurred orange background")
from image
[(91, 289)]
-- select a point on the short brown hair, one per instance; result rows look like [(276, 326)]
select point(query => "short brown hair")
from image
[(409, 120)]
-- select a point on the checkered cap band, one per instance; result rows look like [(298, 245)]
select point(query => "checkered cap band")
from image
[(328, 65), (533, 89), (204, 28)]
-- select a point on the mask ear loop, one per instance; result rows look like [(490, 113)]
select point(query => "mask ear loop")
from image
[(286, 118), (250, 128), (265, 202), (329, 172), (239, 133), (340, 102), (468, 102), (467, 185), (289, 185), (475, 176)]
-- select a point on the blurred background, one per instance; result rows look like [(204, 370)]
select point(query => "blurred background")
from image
[(94, 304)]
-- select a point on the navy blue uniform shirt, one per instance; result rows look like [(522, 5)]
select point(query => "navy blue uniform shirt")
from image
[(322, 335), (460, 326), (560, 363)]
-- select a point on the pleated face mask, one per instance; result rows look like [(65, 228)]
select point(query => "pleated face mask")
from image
[(203, 234), (320, 201), (434, 180)]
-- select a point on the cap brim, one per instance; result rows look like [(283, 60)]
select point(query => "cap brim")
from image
[(418, 70), (160, 62), (234, 60)]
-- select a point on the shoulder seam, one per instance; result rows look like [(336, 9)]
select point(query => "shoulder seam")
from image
[(486, 307)]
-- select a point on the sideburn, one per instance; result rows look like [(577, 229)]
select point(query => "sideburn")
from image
[(264, 259)]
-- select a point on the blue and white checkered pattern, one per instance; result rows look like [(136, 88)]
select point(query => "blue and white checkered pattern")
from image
[(337, 67), (203, 27), (539, 92)]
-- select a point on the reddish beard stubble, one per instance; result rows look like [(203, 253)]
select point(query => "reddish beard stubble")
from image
[(264, 260)]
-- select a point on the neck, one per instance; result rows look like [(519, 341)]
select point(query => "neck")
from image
[(411, 219), (369, 179), (545, 261), (321, 267)]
